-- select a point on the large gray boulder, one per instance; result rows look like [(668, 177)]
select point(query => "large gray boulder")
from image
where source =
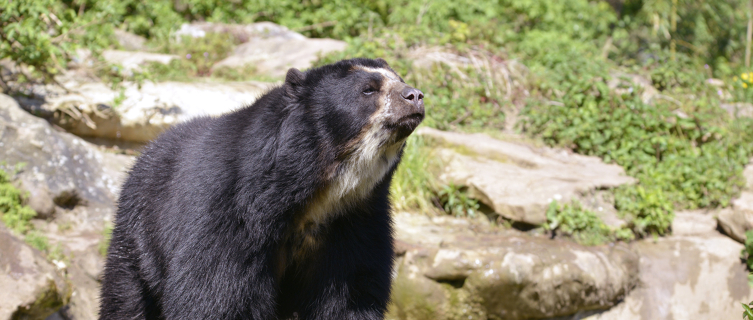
[(274, 56), (458, 269), (695, 222), (76, 184), (272, 49), (129, 60), (519, 181), (686, 277), (240, 32), (139, 114), (30, 286), (59, 169)]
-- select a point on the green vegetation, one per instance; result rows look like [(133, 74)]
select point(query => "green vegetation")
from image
[(414, 178), (747, 254), (455, 200), (748, 312), (17, 217), (583, 225), (13, 213), (107, 236)]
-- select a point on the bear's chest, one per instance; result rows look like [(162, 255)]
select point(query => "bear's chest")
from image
[(352, 183)]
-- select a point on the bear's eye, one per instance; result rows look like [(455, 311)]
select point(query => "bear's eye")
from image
[(369, 91)]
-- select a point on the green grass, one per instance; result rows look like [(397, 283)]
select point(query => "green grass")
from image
[(107, 236), (13, 213), (17, 217), (413, 182)]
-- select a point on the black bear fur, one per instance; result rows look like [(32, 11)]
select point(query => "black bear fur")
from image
[(239, 216)]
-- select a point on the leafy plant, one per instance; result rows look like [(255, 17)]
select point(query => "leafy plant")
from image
[(33, 36), (748, 312), (454, 200), (584, 226)]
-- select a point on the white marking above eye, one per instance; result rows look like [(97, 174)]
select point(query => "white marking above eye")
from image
[(386, 73)]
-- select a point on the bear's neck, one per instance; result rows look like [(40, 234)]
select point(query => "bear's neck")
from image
[(353, 179)]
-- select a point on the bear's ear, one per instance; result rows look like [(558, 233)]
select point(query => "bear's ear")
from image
[(382, 61), (294, 77)]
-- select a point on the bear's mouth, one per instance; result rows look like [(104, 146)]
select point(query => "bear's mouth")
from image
[(404, 126)]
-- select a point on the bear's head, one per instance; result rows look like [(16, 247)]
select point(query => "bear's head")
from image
[(363, 112), (357, 100)]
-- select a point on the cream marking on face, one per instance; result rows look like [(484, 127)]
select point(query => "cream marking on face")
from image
[(385, 72), (370, 160)]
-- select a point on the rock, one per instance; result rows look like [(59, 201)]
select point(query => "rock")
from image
[(686, 277), (132, 60), (242, 32), (40, 199), (695, 222), (519, 181), (271, 48), (738, 109), (715, 82), (738, 219), (57, 163), (452, 269), (129, 60), (139, 115), (32, 288), (130, 41), (83, 183), (274, 56)]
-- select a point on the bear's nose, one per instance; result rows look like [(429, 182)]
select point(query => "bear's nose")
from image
[(412, 95)]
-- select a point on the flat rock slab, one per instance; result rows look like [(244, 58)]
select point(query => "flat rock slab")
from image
[(129, 60), (686, 277), (519, 181), (242, 32), (696, 222), (272, 49), (274, 56), (454, 269), (32, 287), (142, 113)]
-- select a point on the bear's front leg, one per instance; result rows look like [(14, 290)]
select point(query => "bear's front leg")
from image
[(215, 282), (354, 271)]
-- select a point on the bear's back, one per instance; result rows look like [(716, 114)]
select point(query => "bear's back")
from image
[(148, 186)]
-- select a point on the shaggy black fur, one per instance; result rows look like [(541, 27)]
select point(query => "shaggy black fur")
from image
[(206, 219)]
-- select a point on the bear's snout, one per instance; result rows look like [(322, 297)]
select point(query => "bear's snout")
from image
[(414, 97), (409, 113)]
